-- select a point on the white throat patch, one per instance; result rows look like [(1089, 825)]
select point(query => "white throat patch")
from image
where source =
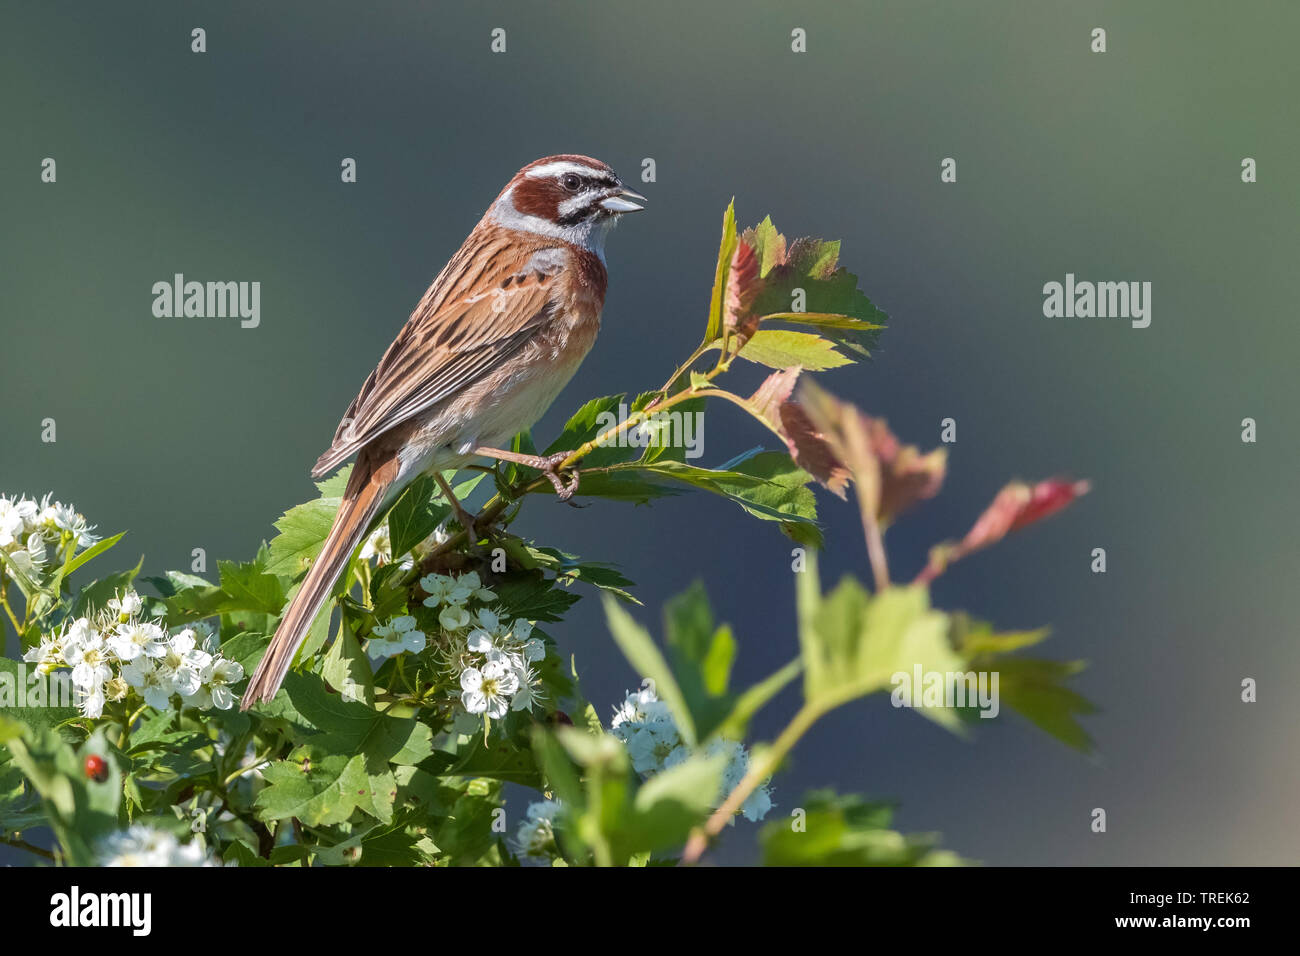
[(589, 234)]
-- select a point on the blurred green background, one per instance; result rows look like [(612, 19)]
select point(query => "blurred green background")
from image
[(1118, 166)]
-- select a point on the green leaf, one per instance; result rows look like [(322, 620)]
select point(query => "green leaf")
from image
[(29, 587), (348, 726), (972, 638), (853, 643), (1035, 689), (624, 486), (336, 484), (783, 348), (98, 593), (670, 435), (531, 595), (768, 244), (346, 669), (672, 802), (21, 684), (507, 760), (303, 529), (783, 495), (589, 421), (568, 569), (824, 320), (702, 654), (646, 660), (249, 588), (319, 792), (830, 293), (94, 551), (420, 510), (847, 831), (750, 701), (726, 249)]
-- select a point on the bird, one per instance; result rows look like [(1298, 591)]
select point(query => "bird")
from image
[(497, 336)]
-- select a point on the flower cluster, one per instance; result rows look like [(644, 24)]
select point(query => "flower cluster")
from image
[(379, 547), (30, 529), (489, 658), (141, 845), (535, 837), (646, 726), (117, 651)]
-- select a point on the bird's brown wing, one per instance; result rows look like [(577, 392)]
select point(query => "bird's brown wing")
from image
[(482, 308)]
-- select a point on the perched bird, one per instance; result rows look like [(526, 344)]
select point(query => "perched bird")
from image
[(496, 337)]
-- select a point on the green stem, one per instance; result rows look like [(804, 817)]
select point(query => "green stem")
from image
[(4, 601), (249, 768), (21, 844), (760, 770)]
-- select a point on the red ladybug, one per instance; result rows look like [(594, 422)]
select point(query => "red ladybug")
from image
[(96, 769)]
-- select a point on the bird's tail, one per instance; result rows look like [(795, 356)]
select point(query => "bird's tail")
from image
[(363, 499)]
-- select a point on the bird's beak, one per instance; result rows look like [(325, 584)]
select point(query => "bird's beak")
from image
[(621, 201)]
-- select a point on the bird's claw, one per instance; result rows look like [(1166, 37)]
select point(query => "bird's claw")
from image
[(565, 483)]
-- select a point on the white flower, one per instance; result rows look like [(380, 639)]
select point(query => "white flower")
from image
[(526, 695), (89, 659), (469, 582), (126, 605), (378, 546), (534, 650), (48, 655), (444, 589), (30, 558), (91, 701), (488, 690), (17, 517), (535, 837), (150, 682), (181, 664), (453, 617), (142, 845), (58, 516), (396, 637), (134, 638), (757, 804), (216, 679), (489, 621), (480, 642)]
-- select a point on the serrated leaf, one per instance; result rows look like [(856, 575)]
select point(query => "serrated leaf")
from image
[(718, 299), (303, 529), (319, 792), (784, 348), (853, 643), (1036, 689), (848, 831)]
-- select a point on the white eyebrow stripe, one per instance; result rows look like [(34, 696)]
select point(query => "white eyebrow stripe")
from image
[(574, 203), (556, 169)]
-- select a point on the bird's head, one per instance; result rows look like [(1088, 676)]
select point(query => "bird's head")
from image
[(570, 197)]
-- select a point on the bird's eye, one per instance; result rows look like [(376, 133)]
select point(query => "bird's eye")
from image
[(571, 182)]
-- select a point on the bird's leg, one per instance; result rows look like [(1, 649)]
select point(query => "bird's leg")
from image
[(548, 465), (464, 517)]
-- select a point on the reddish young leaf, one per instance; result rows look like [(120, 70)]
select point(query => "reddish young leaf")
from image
[(771, 402), (1016, 506)]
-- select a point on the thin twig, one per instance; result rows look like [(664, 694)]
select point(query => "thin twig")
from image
[(21, 844)]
